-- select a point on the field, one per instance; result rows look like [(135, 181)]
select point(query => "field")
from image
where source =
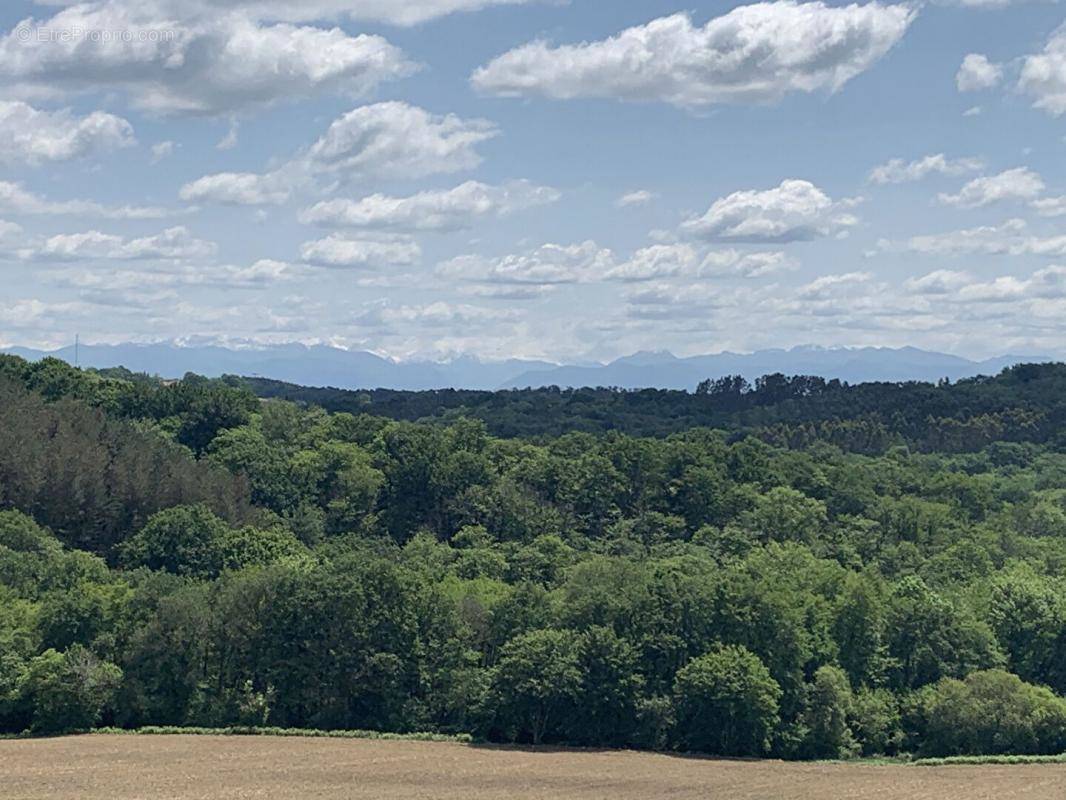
[(202, 767)]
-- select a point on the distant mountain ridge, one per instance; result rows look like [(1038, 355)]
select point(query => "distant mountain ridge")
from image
[(321, 365), (854, 365)]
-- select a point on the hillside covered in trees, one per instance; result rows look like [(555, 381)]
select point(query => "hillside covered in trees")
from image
[(1026, 403), (800, 569)]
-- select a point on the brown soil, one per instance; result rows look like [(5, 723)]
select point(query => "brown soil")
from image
[(221, 768)]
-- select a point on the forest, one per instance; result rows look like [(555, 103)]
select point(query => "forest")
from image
[(799, 569)]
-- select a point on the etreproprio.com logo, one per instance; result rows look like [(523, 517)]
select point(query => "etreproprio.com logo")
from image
[(47, 35)]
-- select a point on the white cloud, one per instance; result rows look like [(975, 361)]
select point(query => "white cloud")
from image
[(899, 171), (665, 302), (232, 137), (173, 243), (382, 140), (1047, 283), (796, 210), (392, 12), (239, 188), (731, 263), (161, 150), (939, 282), (438, 315), (17, 200), (179, 64), (663, 261), (1043, 75), (657, 262), (753, 54), (640, 197), (828, 287), (32, 136), (1012, 238), (9, 232), (100, 285), (547, 265), (1050, 206), (337, 251), (1014, 184), (449, 210), (397, 140), (978, 73)]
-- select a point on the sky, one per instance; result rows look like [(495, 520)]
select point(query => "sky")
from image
[(569, 180)]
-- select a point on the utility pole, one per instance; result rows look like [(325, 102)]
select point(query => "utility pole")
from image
[(77, 343)]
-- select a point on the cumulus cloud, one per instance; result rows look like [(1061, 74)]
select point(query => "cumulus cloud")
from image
[(382, 140), (100, 286), (731, 263), (392, 12), (239, 189), (938, 282), (666, 261), (1047, 283), (830, 286), (1014, 184), (753, 54), (171, 63), (398, 140), (665, 302), (978, 73), (173, 243), (1043, 75), (899, 171), (1011, 238), (440, 315), (32, 136), (449, 210), (337, 251), (1050, 206), (796, 210), (9, 232), (548, 265), (15, 199)]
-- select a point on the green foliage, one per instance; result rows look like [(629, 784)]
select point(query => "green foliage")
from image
[(66, 691), (536, 683), (987, 713), (727, 703), (872, 570), (830, 706), (185, 540)]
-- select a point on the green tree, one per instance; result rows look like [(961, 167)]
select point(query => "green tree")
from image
[(185, 540), (727, 703), (67, 691), (829, 706), (605, 709), (537, 680)]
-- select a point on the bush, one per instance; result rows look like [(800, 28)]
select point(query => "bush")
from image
[(988, 713)]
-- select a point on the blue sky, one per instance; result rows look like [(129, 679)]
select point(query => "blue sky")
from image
[(565, 180)]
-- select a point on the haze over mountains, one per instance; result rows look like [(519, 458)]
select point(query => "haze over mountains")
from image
[(349, 369)]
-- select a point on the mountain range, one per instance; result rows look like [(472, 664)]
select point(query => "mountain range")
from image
[(321, 365)]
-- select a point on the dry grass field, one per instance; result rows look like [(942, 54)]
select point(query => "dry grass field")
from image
[(221, 768)]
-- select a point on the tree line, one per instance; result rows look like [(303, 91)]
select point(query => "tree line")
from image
[(1026, 403), (187, 554)]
